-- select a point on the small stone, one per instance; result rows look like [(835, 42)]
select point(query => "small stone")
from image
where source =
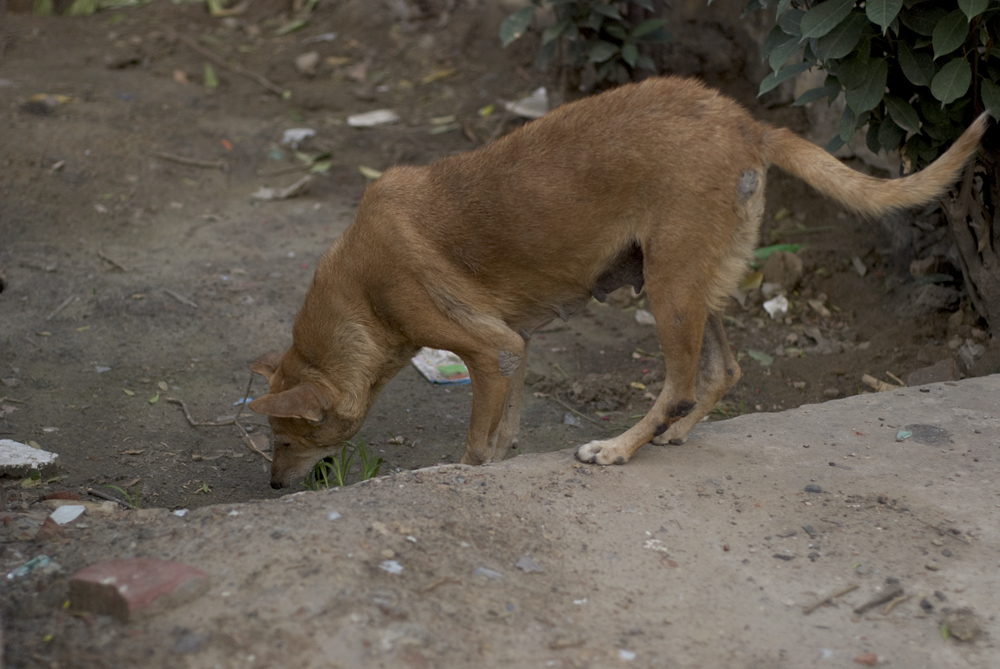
[(868, 659), (946, 552), (926, 605), (812, 487), (488, 573), (307, 63), (526, 564), (962, 624), (135, 587)]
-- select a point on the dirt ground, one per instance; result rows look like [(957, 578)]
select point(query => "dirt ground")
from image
[(129, 278)]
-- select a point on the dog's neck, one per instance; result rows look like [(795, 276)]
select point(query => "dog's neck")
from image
[(343, 343)]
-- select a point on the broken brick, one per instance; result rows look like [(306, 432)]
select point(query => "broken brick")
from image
[(137, 587)]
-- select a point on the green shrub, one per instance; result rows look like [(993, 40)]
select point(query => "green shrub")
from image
[(597, 33), (916, 73)]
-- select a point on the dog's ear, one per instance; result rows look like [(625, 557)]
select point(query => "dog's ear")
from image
[(266, 364), (303, 401)]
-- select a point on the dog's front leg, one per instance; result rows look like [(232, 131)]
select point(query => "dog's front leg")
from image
[(492, 374), (511, 421)]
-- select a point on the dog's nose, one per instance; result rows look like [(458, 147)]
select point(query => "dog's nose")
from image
[(276, 485)]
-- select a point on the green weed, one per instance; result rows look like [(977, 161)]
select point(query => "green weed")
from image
[(334, 470)]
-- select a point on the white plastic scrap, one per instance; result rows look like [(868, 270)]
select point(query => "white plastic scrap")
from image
[(777, 307), (392, 567), (295, 135), (67, 513), (643, 317), (373, 118), (535, 105)]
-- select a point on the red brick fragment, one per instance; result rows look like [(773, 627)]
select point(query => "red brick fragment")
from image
[(870, 659), (137, 587)]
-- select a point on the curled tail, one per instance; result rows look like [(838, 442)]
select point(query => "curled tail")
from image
[(868, 195)]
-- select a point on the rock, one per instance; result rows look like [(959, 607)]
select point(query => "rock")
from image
[(939, 372), (488, 573), (17, 460), (525, 563), (307, 63), (932, 298), (969, 352), (989, 363), (962, 624), (136, 587), (869, 659), (784, 269)]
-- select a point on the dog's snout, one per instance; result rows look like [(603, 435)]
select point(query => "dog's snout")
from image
[(276, 485)]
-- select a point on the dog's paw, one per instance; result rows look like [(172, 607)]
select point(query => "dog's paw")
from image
[(665, 439), (600, 453)]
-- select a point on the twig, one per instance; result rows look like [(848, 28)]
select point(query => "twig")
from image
[(440, 582), (843, 591), (106, 496), (192, 421), (62, 306), (37, 347), (11, 399), (237, 69), (117, 264), (180, 298), (568, 407), (222, 423), (214, 164), (956, 537), (891, 605), (887, 596), (896, 378)]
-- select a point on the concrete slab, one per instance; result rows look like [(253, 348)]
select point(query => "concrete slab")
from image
[(709, 554)]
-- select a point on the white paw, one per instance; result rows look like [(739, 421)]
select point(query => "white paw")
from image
[(601, 453)]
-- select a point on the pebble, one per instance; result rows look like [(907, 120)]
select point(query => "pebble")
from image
[(488, 573), (812, 487), (526, 564)]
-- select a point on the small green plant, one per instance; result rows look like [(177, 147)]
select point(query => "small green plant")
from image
[(334, 469), (131, 499), (606, 35)]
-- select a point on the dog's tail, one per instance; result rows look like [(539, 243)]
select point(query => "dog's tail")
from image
[(868, 195)]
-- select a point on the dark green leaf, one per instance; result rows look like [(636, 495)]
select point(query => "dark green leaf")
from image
[(835, 143), (824, 17), (814, 94), (841, 40), (594, 21), (854, 70), (545, 54), (607, 10), (789, 22), (645, 4), (902, 113), (950, 33), (647, 27), (646, 63), (555, 31), (952, 81), (890, 135), (751, 7), (848, 124), (516, 24), (866, 96), (782, 52), (882, 12), (772, 80), (932, 113), (775, 37), (871, 137), (922, 19), (917, 66), (990, 93), (601, 51), (616, 30), (630, 54), (782, 6), (973, 8)]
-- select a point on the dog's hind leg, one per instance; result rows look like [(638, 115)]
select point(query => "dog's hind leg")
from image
[(680, 322), (718, 371)]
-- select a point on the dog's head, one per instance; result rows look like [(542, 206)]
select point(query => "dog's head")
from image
[(309, 418)]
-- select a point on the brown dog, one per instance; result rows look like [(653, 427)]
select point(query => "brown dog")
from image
[(658, 184)]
